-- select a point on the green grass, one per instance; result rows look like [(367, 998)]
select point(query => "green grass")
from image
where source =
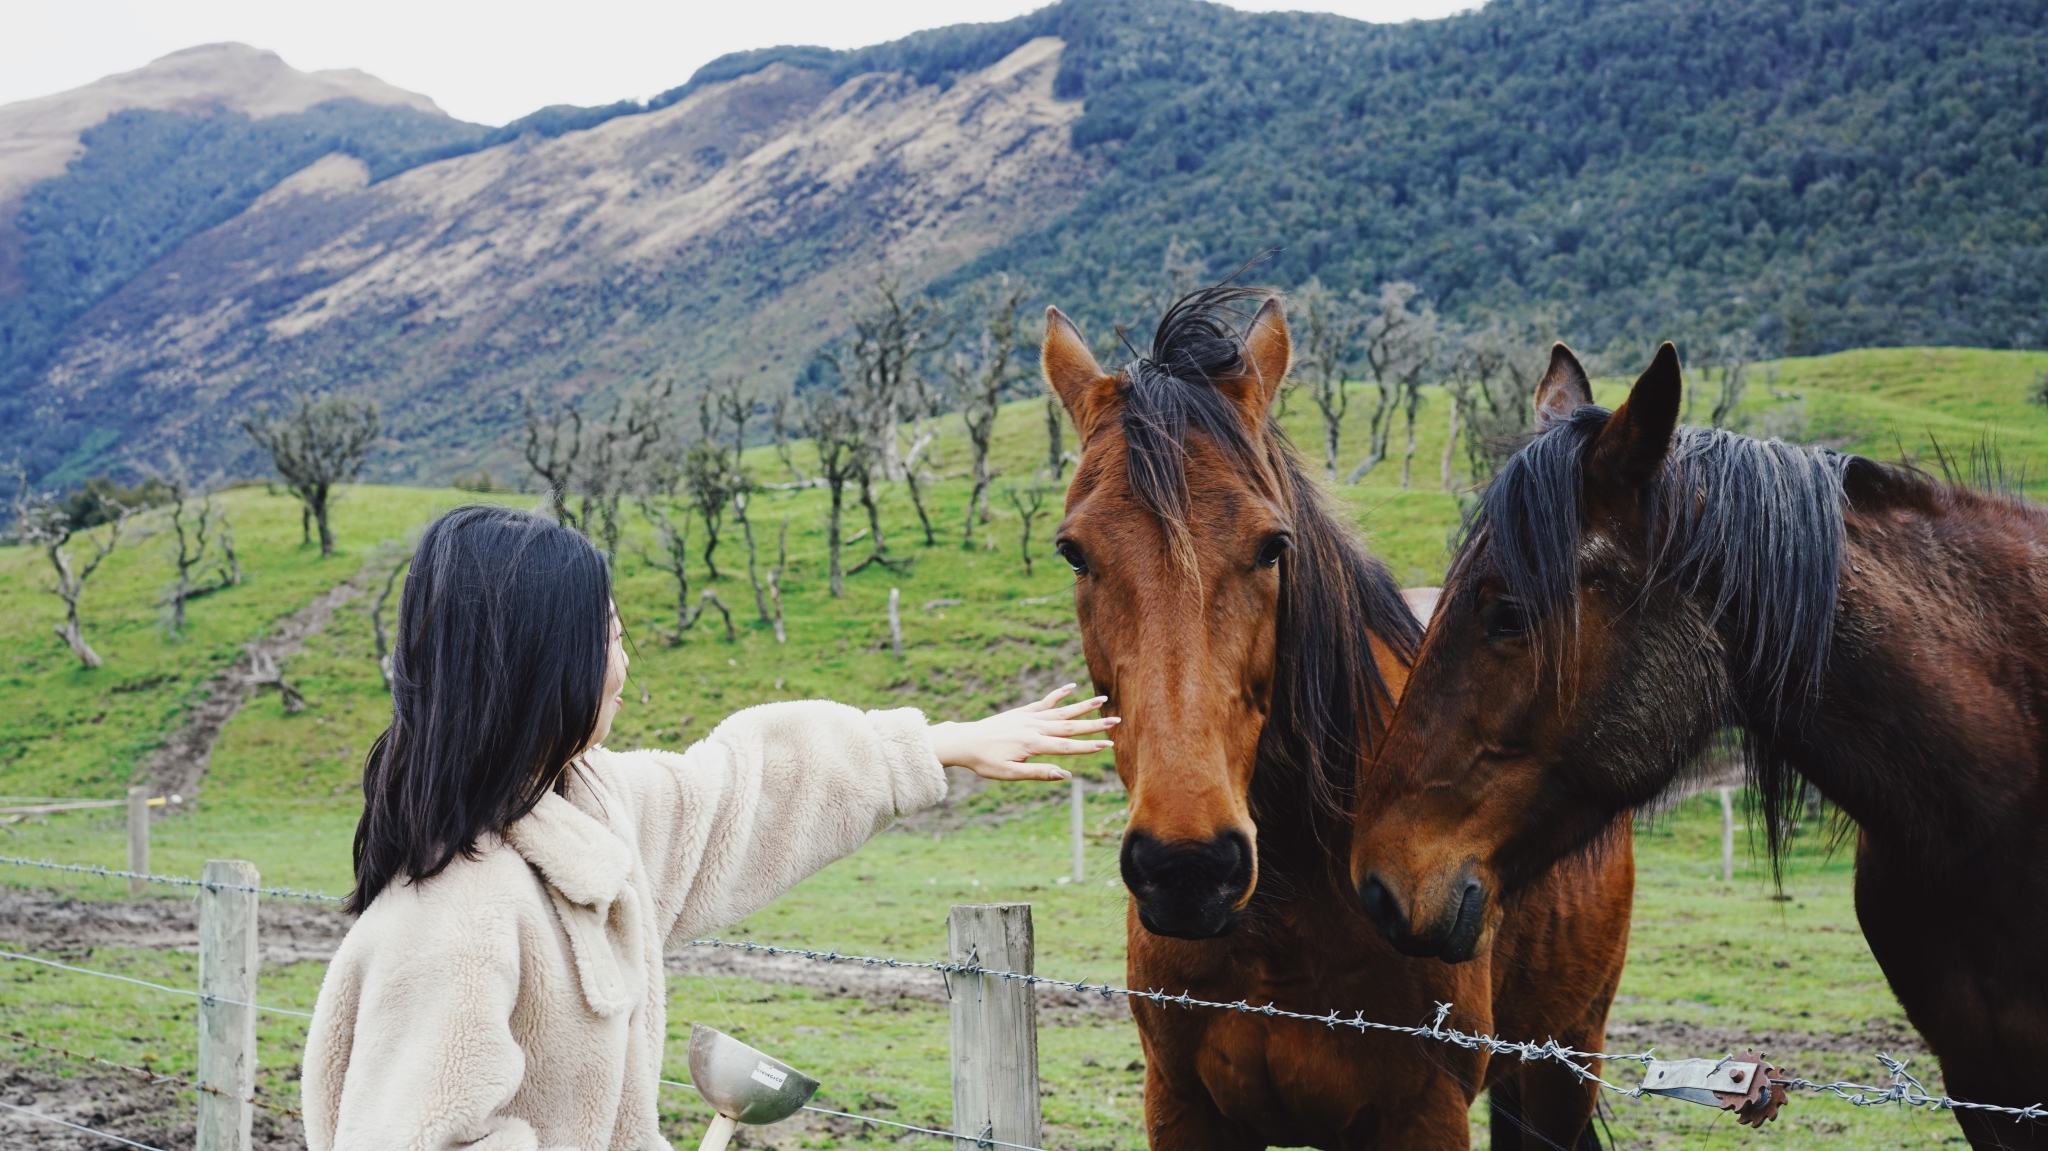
[(282, 790)]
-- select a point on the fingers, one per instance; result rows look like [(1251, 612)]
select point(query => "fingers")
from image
[(1079, 726), (1082, 708), (1017, 770), (1070, 746), (1057, 694)]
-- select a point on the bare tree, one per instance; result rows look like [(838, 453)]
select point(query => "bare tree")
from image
[(784, 426), (1732, 354), (1492, 373), (1394, 338), (735, 409), (879, 368), (674, 559), (1029, 500), (708, 480), (775, 578), (1330, 325), (398, 557), (201, 539), (985, 372), (41, 521), (836, 432), (264, 671), (1424, 347), (314, 446), (598, 462)]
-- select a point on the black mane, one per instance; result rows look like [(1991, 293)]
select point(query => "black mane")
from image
[(1329, 700), (1753, 527)]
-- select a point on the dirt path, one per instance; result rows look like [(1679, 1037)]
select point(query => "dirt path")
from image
[(180, 764)]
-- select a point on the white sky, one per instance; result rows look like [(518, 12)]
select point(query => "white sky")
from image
[(494, 61)]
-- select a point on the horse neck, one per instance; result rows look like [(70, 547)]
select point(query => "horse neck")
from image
[(1926, 728)]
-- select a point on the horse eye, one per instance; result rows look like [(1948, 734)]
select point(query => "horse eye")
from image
[(1271, 551), (1505, 618), (1071, 552)]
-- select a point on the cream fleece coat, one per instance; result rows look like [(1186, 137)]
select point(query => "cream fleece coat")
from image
[(515, 1002)]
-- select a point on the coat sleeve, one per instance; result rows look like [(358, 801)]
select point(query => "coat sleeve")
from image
[(773, 794), (411, 1044)]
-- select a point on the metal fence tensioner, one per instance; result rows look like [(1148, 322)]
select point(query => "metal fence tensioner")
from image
[(1744, 1084)]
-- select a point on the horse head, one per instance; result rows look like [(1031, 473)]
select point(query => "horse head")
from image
[(1204, 567)]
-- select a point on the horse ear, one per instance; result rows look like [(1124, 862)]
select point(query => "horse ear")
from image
[(1072, 372), (1268, 352), (1563, 389), (1638, 435)]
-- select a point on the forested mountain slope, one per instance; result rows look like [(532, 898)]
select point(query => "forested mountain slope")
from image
[(1825, 173)]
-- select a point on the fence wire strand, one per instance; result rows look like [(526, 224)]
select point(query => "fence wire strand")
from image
[(1904, 1090), (202, 996), (108, 1135), (167, 880), (154, 1076), (985, 1139)]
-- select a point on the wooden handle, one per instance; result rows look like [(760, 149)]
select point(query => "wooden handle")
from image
[(720, 1133)]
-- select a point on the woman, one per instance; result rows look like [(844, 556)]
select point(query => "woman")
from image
[(517, 884)]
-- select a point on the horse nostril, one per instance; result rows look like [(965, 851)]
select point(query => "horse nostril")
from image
[(1378, 904), (1463, 941)]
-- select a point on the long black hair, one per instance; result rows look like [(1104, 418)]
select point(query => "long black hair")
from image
[(497, 678)]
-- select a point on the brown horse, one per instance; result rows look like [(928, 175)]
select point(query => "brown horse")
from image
[(1254, 651), (1631, 588)]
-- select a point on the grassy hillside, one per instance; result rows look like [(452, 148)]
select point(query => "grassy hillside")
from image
[(1708, 961)]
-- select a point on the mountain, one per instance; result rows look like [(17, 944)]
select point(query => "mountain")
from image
[(1823, 173)]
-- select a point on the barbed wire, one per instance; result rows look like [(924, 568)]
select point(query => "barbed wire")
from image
[(169, 880), (202, 996), (985, 1139), (1904, 1090), (152, 1074), (76, 1127)]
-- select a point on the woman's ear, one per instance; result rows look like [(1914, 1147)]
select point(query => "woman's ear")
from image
[(1638, 435), (1072, 373)]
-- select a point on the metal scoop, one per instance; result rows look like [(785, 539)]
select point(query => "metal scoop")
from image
[(742, 1084)]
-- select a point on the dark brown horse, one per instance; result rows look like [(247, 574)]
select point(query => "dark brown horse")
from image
[(1631, 588), (1255, 651)]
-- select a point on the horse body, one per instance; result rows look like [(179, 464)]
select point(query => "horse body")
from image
[(1631, 589), (1930, 735), (1254, 652)]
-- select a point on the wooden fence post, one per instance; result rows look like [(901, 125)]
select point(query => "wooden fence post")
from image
[(1727, 835), (138, 838), (227, 1033), (995, 1025), (896, 622), (1079, 827)]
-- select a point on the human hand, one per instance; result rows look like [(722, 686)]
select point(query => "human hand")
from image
[(996, 747)]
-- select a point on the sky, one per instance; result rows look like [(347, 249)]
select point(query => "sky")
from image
[(493, 62)]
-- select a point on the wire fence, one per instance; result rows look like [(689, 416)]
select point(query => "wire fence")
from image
[(201, 996), (107, 1135), (167, 880), (982, 1140), (1904, 1089)]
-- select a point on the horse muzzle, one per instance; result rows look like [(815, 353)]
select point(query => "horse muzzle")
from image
[(1189, 890), (1452, 934)]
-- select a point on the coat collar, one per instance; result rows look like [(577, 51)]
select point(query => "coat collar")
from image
[(577, 854)]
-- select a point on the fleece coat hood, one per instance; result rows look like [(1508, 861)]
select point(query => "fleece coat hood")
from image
[(516, 1001)]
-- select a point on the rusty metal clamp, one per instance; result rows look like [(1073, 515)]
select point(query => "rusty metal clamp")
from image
[(1744, 1084)]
